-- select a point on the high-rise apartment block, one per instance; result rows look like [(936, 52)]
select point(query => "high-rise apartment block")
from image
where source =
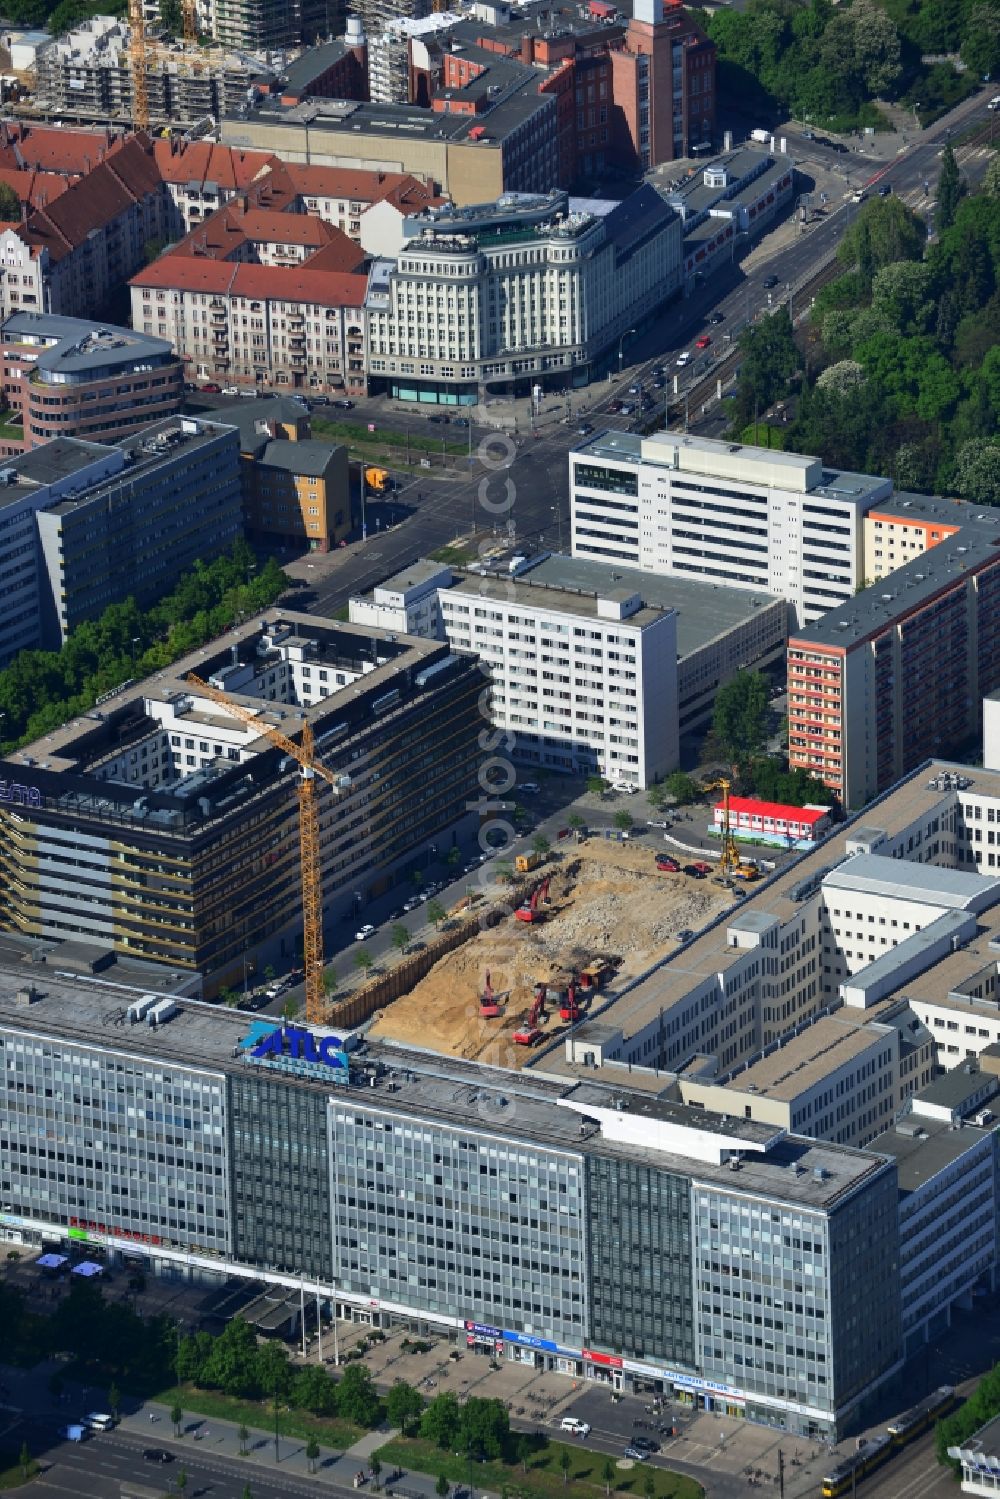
[(722, 512)]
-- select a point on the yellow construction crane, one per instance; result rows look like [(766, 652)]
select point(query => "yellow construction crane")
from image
[(730, 863), (312, 880), (139, 63), (189, 10)]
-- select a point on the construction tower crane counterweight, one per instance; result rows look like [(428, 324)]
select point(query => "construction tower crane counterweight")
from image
[(304, 755)]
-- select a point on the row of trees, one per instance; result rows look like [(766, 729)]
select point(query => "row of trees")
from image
[(908, 344), (831, 62), (42, 689)]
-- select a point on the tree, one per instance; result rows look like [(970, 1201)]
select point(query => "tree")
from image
[(876, 47), (442, 1488), (441, 1421), (541, 845), (232, 1365), (977, 472), (417, 876), (991, 181), (981, 40), (901, 294), (375, 1464), (181, 1481), (364, 962), (484, 1426), (565, 1463), (290, 1008), (247, 1492), (951, 189), (740, 718), (313, 1390), (523, 1452), (192, 1355), (682, 787), (400, 936), (244, 1436), (454, 857), (312, 1453), (596, 785), (10, 204), (436, 912), (329, 981), (842, 378), (624, 820), (24, 1460), (885, 230), (172, 17), (649, 1485), (575, 821), (403, 1405), (357, 1398), (768, 360), (608, 1476), (229, 998), (176, 1417), (114, 1399)]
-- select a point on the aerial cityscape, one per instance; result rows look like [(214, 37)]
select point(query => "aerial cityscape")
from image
[(500, 748)]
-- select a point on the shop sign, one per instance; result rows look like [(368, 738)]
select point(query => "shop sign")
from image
[(606, 1360), (482, 1330), (21, 796), (525, 1342), (687, 1381)]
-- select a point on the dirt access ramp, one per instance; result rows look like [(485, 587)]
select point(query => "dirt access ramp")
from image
[(607, 902)]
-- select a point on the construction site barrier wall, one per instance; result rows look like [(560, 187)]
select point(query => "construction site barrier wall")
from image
[(378, 992)]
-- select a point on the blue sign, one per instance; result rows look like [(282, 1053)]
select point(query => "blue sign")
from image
[(526, 1342), (265, 1042), (483, 1331)]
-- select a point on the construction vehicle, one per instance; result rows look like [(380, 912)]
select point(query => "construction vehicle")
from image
[(489, 1006), (730, 864), (595, 975), (378, 480), (310, 769), (570, 1008), (523, 863), (529, 911), (529, 1032)]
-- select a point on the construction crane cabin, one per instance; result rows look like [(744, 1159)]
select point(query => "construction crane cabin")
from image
[(310, 769)]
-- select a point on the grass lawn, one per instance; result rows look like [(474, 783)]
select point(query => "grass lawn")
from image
[(11, 1476), (459, 556), (357, 436), (11, 432), (544, 1478), (258, 1415)]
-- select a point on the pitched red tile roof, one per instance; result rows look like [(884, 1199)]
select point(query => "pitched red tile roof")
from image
[(34, 188), (207, 161), (340, 253), (287, 228), (186, 273), (120, 180), (259, 282), (345, 182), (47, 149)]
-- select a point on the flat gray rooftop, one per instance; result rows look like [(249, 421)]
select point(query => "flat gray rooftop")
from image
[(146, 449), (704, 610), (310, 457), (954, 1089), (932, 884), (908, 588), (80, 346), (204, 1037), (48, 464), (919, 1158)]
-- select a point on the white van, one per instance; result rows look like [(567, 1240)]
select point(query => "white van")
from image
[(570, 1423), (98, 1421)]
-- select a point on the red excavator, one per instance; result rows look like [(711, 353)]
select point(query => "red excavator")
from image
[(528, 1033), (570, 1009), (489, 1008), (529, 911)]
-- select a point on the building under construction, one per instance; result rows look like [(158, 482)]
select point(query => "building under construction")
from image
[(89, 74), (162, 827)]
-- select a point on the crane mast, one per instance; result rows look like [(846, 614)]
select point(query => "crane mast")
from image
[(310, 769), (139, 63)]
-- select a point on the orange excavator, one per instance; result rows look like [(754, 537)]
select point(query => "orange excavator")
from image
[(570, 1008), (489, 1003), (528, 1033)]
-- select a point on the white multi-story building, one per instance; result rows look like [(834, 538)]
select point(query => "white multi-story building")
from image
[(747, 517), (593, 669), (389, 53), (526, 290)]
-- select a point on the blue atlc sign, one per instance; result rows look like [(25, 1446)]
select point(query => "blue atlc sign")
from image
[(266, 1042)]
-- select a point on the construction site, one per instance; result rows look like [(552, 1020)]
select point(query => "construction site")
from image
[(600, 913)]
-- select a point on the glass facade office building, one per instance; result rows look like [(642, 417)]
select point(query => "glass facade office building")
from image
[(447, 1220)]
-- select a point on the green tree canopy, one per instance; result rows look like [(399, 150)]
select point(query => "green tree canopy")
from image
[(740, 718), (442, 1420), (884, 231), (951, 188), (403, 1405), (484, 1426), (769, 359), (357, 1397)]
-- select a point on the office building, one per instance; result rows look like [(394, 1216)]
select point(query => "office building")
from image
[(526, 1221), (899, 671), (629, 662), (663, 79), (772, 822), (296, 491), (728, 203), (91, 525), (471, 158), (66, 377), (462, 311), (170, 829), (724, 513)]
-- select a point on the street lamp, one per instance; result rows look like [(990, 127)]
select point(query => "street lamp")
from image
[(629, 333), (135, 641), (557, 512)]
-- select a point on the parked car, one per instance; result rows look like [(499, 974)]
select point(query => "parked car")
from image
[(438, 416), (645, 1444), (666, 865), (530, 788), (885, 191), (695, 871), (364, 932), (571, 1423), (657, 822), (460, 421), (99, 1421), (230, 390), (343, 404), (703, 342), (685, 934), (211, 389), (636, 1453)]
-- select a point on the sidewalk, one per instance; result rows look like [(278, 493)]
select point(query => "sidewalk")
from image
[(204, 1435)]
